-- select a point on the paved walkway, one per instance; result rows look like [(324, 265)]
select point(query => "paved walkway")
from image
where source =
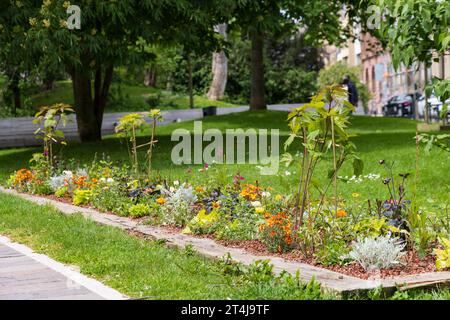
[(25, 275), (19, 132)]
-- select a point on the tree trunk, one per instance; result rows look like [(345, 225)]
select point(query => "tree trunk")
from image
[(150, 77), (90, 108), (16, 94), (426, 107), (257, 99), (219, 69), (190, 84)]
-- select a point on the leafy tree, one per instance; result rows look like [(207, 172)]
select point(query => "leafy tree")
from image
[(16, 58), (414, 32), (107, 38), (274, 18)]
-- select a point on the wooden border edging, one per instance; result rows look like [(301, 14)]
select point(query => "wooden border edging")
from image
[(329, 280)]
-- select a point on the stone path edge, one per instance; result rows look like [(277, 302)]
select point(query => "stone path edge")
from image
[(329, 280), (91, 284)]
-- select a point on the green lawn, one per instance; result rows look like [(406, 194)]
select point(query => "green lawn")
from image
[(377, 138), (147, 269), (136, 267), (140, 268)]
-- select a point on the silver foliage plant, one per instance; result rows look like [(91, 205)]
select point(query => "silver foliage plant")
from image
[(177, 211), (377, 253)]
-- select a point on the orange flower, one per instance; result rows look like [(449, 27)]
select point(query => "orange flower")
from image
[(23, 175), (216, 205), (79, 181), (341, 214), (199, 189), (250, 192), (161, 201)]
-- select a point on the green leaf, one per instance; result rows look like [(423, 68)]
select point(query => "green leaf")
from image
[(358, 166)]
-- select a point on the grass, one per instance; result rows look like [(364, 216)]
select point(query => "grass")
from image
[(131, 98), (148, 269), (136, 267), (377, 138)]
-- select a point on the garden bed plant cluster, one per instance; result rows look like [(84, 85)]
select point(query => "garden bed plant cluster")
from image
[(390, 236)]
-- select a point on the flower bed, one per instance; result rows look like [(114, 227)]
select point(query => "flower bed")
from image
[(360, 237)]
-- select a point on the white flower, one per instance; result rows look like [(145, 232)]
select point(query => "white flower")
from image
[(287, 173), (109, 180), (255, 204), (176, 183), (265, 194), (68, 173)]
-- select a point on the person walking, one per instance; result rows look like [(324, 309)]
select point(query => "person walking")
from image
[(352, 91)]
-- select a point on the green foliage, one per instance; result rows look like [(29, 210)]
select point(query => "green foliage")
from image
[(320, 126), (441, 141), (82, 197), (129, 126), (49, 118), (333, 253), (139, 210), (61, 192), (335, 74), (421, 33), (443, 255)]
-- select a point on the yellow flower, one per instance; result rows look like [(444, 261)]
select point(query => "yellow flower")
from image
[(63, 23), (278, 197), (161, 201), (199, 189), (46, 23), (32, 21), (154, 113), (355, 194), (259, 210), (47, 3), (66, 4), (341, 214)]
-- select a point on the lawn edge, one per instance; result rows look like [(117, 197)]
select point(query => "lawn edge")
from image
[(91, 284), (330, 281)]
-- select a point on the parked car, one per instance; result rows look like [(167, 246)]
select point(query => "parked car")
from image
[(401, 105), (435, 106)]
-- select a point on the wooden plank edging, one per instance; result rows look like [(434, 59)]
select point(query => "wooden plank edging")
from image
[(329, 280)]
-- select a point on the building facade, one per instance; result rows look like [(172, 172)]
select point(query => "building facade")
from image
[(378, 73)]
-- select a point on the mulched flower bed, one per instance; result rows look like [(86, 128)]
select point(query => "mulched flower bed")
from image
[(412, 263)]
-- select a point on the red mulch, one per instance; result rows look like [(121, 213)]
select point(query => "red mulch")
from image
[(412, 263)]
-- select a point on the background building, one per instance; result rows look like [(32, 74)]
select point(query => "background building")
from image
[(377, 71)]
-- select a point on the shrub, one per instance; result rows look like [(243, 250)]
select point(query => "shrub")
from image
[(443, 255), (203, 222), (139, 210), (81, 197), (377, 253)]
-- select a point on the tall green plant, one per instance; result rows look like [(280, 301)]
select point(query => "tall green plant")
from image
[(128, 127), (49, 119), (320, 125)]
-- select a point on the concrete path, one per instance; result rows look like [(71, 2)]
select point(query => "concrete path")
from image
[(25, 275)]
